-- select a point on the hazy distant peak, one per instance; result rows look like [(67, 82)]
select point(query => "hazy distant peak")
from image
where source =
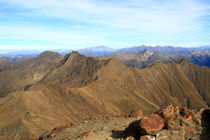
[(145, 53)]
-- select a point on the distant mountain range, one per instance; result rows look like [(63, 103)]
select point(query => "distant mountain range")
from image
[(14, 55), (146, 58), (163, 49), (140, 57), (102, 50), (96, 51)]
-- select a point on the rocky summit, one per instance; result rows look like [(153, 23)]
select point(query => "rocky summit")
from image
[(170, 123)]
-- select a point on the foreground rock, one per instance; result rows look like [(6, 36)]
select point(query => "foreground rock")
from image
[(151, 124)]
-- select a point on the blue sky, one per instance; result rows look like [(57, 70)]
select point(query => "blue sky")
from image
[(75, 24)]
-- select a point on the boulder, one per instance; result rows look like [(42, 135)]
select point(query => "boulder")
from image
[(181, 123), (151, 124)]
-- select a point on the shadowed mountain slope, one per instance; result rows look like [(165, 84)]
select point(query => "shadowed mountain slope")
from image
[(80, 87)]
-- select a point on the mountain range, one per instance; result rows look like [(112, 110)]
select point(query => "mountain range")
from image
[(50, 90), (14, 55), (164, 49), (146, 58)]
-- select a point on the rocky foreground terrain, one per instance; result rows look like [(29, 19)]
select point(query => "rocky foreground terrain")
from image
[(170, 123)]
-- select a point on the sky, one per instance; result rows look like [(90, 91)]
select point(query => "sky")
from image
[(76, 24)]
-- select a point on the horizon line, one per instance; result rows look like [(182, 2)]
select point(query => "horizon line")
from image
[(97, 46)]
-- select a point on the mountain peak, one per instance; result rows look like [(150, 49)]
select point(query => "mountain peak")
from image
[(72, 55), (49, 55), (45, 53), (184, 61), (75, 70)]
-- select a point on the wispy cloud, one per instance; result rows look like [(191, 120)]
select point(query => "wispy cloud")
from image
[(116, 23)]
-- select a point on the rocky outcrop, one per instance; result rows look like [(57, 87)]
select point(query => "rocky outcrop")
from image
[(172, 122)]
